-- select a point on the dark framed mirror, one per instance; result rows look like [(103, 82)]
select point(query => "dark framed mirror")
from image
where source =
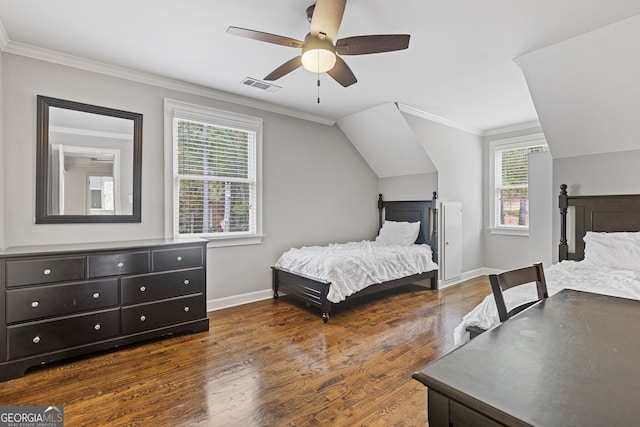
[(89, 163)]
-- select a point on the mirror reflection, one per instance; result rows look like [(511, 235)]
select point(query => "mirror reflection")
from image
[(90, 163)]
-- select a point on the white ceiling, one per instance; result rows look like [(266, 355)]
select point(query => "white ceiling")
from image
[(459, 65)]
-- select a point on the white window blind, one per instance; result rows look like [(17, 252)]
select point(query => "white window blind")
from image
[(214, 160), (512, 185)]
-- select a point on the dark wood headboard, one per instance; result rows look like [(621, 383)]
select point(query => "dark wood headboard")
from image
[(425, 211), (608, 213)]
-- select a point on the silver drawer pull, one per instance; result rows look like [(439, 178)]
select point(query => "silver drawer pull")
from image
[(143, 288), (36, 339), (120, 264), (97, 326), (47, 271), (96, 295), (35, 304), (186, 281), (143, 318), (179, 258), (186, 309)]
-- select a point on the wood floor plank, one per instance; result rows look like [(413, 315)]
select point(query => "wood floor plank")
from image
[(266, 364)]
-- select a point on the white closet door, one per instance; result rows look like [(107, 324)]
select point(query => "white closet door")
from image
[(452, 240)]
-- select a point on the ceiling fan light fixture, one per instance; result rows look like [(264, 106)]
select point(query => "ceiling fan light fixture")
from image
[(318, 55), (318, 60)]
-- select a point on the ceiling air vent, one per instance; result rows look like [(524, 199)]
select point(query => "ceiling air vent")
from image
[(259, 84)]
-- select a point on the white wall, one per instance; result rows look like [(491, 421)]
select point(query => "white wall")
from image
[(457, 156), (317, 188)]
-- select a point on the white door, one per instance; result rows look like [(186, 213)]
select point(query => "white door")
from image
[(452, 240)]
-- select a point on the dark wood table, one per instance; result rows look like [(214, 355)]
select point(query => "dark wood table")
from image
[(571, 360)]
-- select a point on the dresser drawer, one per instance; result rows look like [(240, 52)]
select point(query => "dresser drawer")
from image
[(146, 317), (43, 337), (156, 286), (118, 263), (177, 258), (44, 270), (28, 303)]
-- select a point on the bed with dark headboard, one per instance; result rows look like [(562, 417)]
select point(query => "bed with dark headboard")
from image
[(595, 213), (314, 292), (608, 213)]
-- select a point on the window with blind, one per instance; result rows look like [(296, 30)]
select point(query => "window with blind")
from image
[(511, 182), (215, 159)]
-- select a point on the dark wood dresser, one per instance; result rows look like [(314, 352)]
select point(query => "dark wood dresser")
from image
[(62, 301)]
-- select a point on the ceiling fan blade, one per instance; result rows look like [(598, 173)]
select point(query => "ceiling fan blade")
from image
[(360, 45), (327, 16), (285, 68), (342, 73), (265, 37)]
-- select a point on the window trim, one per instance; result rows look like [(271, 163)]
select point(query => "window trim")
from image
[(499, 145), (188, 111)]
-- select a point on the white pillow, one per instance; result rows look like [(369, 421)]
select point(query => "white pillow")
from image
[(398, 233), (614, 250)]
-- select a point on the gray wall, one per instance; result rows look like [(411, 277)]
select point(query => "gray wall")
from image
[(317, 188), (2, 158), (409, 187), (457, 156), (541, 210), (503, 252)]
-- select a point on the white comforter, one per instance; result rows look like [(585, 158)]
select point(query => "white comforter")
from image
[(353, 266), (581, 276)]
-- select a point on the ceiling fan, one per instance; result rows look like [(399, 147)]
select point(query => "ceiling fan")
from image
[(319, 52)]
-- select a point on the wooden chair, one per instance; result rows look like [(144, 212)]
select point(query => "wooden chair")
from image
[(512, 278)]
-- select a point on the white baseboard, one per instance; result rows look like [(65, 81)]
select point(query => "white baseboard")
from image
[(468, 275), (226, 302)]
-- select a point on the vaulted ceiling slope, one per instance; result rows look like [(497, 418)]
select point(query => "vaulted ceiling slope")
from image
[(386, 142), (459, 64), (587, 90)]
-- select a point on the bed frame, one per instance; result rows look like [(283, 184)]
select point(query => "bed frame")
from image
[(314, 292), (609, 213)]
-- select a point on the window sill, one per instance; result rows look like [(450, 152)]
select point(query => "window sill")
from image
[(219, 242), (510, 231)]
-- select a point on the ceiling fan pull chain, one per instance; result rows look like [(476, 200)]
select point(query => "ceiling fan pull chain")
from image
[(318, 78)]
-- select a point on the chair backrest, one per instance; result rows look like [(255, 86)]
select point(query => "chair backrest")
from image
[(512, 278)]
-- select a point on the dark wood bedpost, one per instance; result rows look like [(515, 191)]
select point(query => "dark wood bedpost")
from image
[(563, 249), (380, 207)]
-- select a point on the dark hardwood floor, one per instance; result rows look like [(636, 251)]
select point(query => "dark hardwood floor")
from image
[(266, 364)]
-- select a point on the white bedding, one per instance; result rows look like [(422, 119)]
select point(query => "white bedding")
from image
[(582, 276), (353, 266)]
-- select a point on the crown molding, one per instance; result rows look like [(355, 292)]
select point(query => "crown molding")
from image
[(490, 132), (513, 128), (437, 119), (48, 55)]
